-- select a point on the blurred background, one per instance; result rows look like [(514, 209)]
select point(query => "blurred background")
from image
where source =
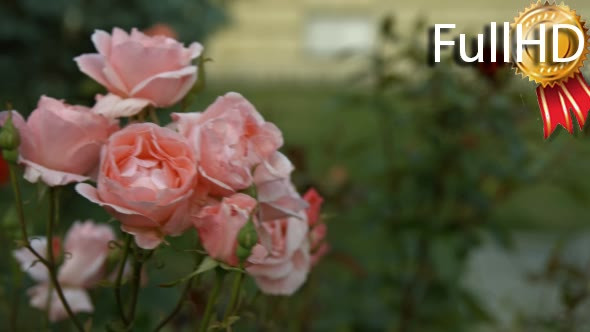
[(446, 208)]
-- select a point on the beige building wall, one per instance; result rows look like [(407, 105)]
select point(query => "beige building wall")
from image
[(269, 39)]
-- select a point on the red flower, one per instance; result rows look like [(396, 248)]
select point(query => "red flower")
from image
[(3, 170), (317, 229), (161, 29), (313, 198)]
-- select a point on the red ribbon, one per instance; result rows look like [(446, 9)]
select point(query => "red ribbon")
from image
[(557, 101)]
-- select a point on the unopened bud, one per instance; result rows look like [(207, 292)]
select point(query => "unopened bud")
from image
[(243, 253), (9, 137), (10, 156), (248, 237)]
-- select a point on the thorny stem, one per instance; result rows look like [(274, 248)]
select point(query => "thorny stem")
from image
[(119, 279)]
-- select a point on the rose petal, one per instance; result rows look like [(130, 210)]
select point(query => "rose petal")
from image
[(102, 42), (29, 262), (35, 172), (113, 106), (166, 89), (93, 65), (146, 238), (86, 247), (77, 298), (133, 218)]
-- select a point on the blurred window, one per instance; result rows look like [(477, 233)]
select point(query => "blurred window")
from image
[(327, 36)]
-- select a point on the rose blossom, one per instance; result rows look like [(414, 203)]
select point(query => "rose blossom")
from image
[(229, 138), (146, 179), (149, 70), (281, 261), (276, 194), (218, 226), (86, 250), (60, 143)]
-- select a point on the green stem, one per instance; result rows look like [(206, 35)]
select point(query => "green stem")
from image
[(48, 308), (139, 258), (211, 301), (17, 282), (19, 204), (53, 219), (119, 279), (21, 215), (178, 306), (235, 295), (183, 296)]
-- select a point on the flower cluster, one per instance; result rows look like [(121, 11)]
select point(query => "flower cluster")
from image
[(219, 171)]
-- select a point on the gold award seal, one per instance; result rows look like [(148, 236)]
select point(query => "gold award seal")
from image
[(549, 73)]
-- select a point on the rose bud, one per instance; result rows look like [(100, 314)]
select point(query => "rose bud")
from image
[(219, 225)]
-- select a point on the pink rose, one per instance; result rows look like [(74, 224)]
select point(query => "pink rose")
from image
[(230, 138), (146, 179), (86, 251), (218, 226), (280, 262), (276, 194), (60, 143), (154, 69), (113, 106)]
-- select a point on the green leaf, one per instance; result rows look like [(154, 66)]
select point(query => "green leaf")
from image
[(207, 264)]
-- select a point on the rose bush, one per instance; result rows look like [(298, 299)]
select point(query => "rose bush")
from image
[(218, 172)]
